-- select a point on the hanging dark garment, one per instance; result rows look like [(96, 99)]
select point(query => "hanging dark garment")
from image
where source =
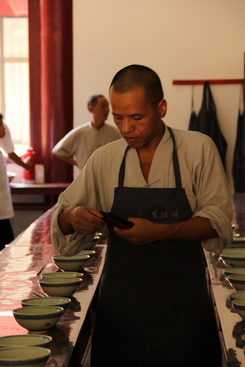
[(193, 117), (207, 122), (193, 121), (239, 156)]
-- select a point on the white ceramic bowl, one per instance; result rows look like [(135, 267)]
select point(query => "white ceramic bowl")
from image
[(25, 340), (38, 318), (237, 281), (47, 301), (239, 306), (237, 295), (234, 257), (24, 356), (62, 287), (63, 274), (71, 263)]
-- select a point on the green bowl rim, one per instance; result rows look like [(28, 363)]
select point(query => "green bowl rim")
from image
[(57, 311), (62, 258), (45, 282), (66, 301), (46, 340), (23, 361)]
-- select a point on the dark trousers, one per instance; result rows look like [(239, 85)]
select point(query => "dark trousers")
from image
[(6, 233)]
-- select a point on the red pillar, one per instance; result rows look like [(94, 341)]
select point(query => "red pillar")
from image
[(51, 86)]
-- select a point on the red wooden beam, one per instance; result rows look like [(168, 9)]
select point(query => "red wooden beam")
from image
[(211, 81)]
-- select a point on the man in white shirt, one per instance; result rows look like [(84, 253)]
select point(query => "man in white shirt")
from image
[(76, 147), (153, 307), (6, 207)]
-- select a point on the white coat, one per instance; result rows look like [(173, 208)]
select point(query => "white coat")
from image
[(6, 206)]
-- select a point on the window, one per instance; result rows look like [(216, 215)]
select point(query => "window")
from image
[(14, 79)]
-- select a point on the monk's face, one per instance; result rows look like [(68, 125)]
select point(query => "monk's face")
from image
[(139, 122)]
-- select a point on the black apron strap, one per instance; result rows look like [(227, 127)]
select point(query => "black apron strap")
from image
[(122, 169), (175, 164)]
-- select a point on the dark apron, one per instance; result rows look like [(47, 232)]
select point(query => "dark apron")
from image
[(154, 308)]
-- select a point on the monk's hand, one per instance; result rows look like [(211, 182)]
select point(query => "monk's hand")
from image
[(143, 231), (84, 220)]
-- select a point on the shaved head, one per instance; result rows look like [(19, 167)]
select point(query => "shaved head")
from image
[(138, 76)]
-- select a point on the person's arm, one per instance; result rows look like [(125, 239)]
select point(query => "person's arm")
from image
[(66, 159), (145, 231), (80, 219), (16, 159), (66, 147)]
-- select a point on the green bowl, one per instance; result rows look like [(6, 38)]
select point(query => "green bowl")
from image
[(25, 340), (47, 301), (239, 306), (24, 356), (38, 318), (237, 281), (61, 287), (87, 252), (63, 274), (233, 257), (238, 240), (71, 263), (231, 271), (237, 295), (233, 250)]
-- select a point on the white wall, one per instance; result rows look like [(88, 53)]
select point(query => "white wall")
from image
[(179, 39)]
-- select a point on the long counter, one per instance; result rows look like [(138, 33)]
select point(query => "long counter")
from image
[(231, 326), (22, 263), (30, 255)]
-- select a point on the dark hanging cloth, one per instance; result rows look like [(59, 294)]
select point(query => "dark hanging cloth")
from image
[(239, 156), (193, 121), (207, 122), (193, 117)]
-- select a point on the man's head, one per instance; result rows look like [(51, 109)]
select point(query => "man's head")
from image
[(139, 76), (92, 101), (138, 106), (99, 107)]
